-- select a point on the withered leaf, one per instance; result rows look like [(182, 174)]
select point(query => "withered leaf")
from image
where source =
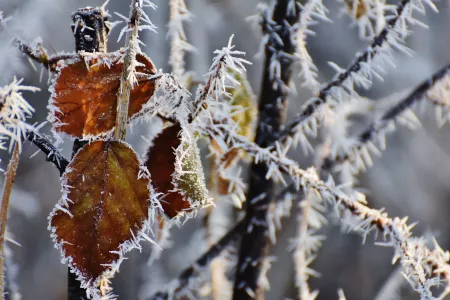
[(104, 208), (84, 93), (176, 171), (160, 163)]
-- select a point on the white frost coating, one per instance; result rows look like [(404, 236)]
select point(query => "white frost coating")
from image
[(179, 45), (307, 243), (439, 95), (170, 99), (162, 234), (188, 178), (98, 288), (3, 20), (14, 111), (312, 8), (266, 264), (368, 15), (12, 268), (341, 295), (278, 210)]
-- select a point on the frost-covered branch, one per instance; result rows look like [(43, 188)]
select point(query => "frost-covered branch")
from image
[(312, 8), (129, 79), (422, 266), (360, 72), (179, 44), (277, 24), (358, 154)]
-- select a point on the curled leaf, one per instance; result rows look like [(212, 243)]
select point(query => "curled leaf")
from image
[(84, 93), (160, 163), (104, 210), (176, 172), (189, 178)]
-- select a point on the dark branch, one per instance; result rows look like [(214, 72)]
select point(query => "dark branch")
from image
[(371, 131), (277, 25), (49, 150), (90, 31), (365, 57)]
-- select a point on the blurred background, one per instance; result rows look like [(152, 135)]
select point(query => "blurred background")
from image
[(410, 179)]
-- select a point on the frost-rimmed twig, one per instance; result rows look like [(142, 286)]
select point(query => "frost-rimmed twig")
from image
[(422, 266), (312, 8), (219, 76), (3, 20), (129, 76), (307, 243), (357, 155), (14, 111), (36, 52), (179, 45), (360, 72)]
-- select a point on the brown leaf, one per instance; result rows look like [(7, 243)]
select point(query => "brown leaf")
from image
[(161, 165), (104, 208), (84, 99)]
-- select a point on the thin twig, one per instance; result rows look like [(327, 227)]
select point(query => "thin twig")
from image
[(312, 106), (10, 175), (395, 111), (39, 54), (179, 44), (128, 78)]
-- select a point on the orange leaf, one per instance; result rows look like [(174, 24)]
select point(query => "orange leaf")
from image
[(104, 209), (161, 165), (84, 94)]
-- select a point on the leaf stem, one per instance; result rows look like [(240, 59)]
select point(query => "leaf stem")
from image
[(10, 175)]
